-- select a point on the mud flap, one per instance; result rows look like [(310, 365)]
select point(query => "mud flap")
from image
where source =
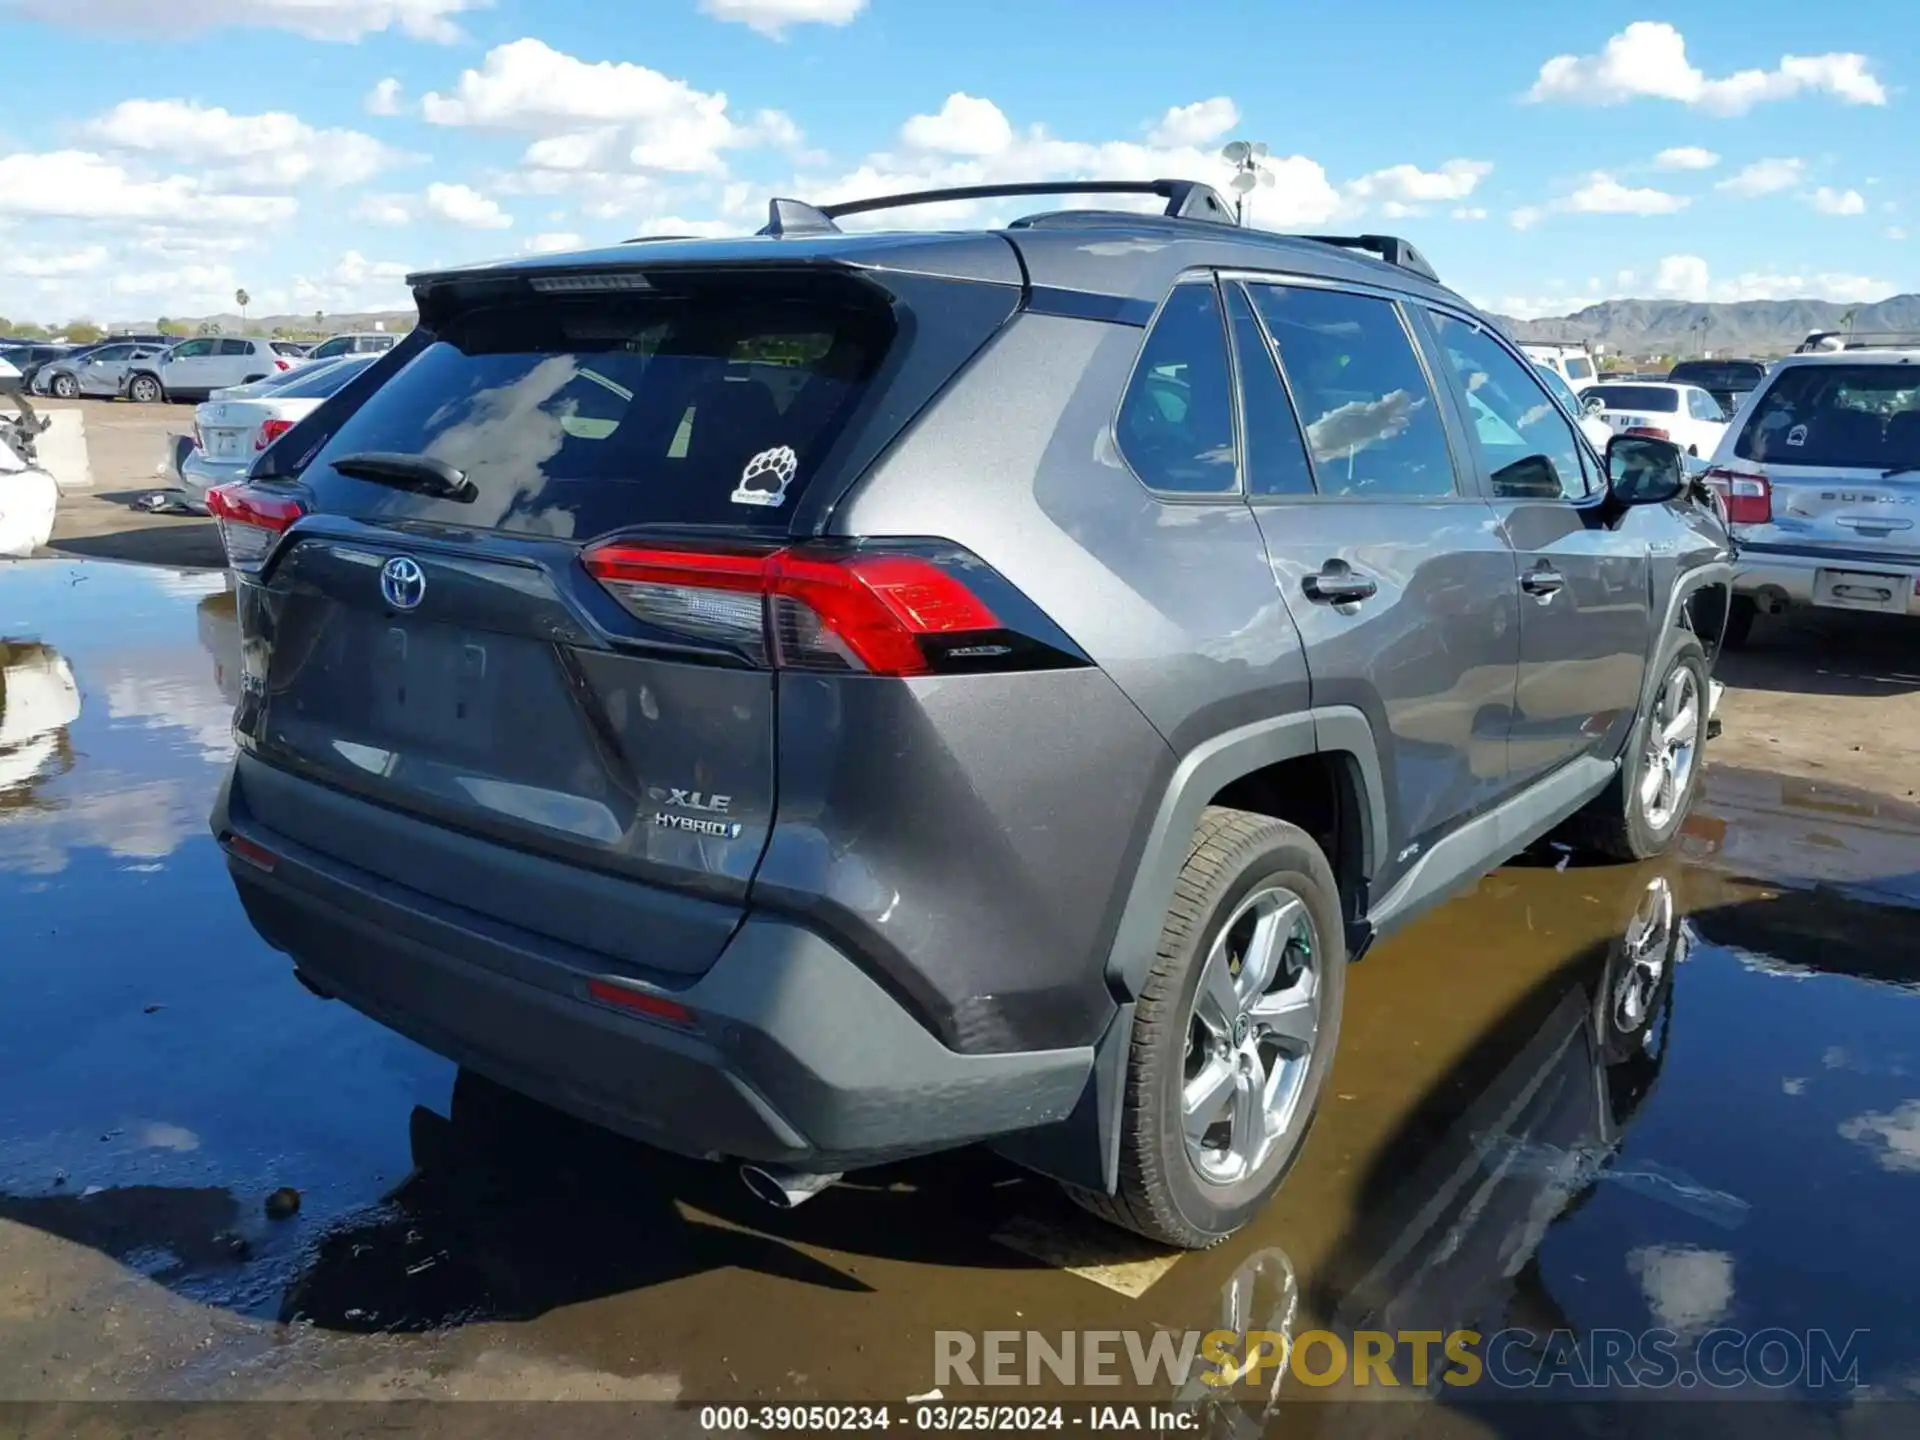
[(1084, 1148)]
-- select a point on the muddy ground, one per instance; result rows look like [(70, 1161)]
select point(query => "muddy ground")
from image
[(1498, 1149)]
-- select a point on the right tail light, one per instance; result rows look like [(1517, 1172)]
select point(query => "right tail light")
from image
[(1748, 494), (860, 611)]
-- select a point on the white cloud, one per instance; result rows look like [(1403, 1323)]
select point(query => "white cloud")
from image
[(387, 210), (1765, 177), (1470, 212), (1686, 277), (52, 262), (1648, 59), (1401, 189), (1681, 277), (1893, 1136), (1195, 124), (591, 111), (1686, 157), (80, 185), (966, 125), (551, 242), (275, 149), (355, 283), (341, 20), (772, 17), (384, 98), (1688, 1290), (1829, 201), (463, 205), (1602, 194)]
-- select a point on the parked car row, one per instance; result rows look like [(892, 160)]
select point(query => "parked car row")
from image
[(151, 368)]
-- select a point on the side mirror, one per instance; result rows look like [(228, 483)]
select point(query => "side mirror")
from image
[(1593, 404), (1645, 471)]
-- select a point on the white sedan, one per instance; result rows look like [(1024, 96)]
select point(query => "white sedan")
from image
[(1685, 414), (232, 433)]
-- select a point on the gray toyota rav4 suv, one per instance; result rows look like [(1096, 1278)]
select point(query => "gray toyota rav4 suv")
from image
[(816, 698)]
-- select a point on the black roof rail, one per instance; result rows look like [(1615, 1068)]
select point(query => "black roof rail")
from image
[(1390, 248), (1186, 200)]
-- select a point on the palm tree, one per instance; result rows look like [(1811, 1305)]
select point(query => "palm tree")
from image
[(1846, 323), (242, 299)]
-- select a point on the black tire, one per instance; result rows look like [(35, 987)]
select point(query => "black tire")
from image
[(1616, 824), (144, 390), (1161, 1194), (1741, 613), (64, 387)]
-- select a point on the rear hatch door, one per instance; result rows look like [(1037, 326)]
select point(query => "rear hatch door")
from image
[(452, 659)]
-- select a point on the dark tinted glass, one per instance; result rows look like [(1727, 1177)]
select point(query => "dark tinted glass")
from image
[(1369, 415), (1844, 416), (235, 347), (1524, 439), (1276, 455), (320, 381), (1719, 374), (576, 417), (1635, 397), (1176, 421)]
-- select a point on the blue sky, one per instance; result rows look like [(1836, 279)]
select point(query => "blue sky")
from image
[(156, 156)]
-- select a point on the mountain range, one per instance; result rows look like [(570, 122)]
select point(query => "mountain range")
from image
[(1746, 327)]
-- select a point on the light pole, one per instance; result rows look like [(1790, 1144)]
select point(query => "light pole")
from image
[(1245, 157)]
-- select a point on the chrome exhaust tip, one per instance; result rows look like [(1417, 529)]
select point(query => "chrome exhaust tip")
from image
[(781, 1188)]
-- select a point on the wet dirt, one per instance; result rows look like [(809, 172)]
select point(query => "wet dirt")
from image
[(1683, 1094)]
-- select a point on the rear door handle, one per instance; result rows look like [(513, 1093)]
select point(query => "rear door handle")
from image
[(1337, 583), (1543, 583)]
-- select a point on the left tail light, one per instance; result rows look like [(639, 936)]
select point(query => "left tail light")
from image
[(870, 612), (270, 431), (281, 365), (252, 520)]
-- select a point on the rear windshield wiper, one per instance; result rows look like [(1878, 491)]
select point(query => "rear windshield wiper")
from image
[(1900, 470), (421, 474)]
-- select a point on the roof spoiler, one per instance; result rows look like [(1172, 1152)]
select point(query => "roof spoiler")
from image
[(1390, 248), (1186, 200)]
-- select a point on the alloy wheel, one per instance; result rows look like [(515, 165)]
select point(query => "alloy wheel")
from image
[(1673, 742), (1250, 1035)]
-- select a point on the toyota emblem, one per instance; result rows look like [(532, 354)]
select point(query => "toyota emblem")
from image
[(403, 582)]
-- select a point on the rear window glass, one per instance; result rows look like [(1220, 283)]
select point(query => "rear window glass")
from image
[(288, 347), (576, 417), (1579, 368), (317, 382), (1719, 375), (1634, 397), (1844, 416)]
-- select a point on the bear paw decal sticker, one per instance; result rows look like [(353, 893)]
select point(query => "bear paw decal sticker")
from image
[(765, 480)]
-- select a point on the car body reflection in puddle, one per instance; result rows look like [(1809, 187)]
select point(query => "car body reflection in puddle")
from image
[(1683, 1095)]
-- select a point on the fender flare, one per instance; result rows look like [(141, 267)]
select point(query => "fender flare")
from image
[(1712, 572), (1084, 1149), (1207, 769)]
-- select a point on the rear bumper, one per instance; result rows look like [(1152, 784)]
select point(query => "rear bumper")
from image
[(1782, 573), (796, 1056), (199, 475)]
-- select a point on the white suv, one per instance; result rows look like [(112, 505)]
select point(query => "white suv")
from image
[(1820, 470), (1571, 363), (194, 369)]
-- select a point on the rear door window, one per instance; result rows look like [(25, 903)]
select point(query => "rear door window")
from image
[(1175, 425), (1363, 397), (235, 347), (1837, 416), (574, 417), (1275, 451)]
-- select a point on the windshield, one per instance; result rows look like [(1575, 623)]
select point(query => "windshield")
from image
[(576, 417), (1839, 416), (1635, 397)]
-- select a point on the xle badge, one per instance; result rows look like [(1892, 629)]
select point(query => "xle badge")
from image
[(704, 805)]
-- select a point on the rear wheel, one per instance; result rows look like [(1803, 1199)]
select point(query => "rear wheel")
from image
[(1233, 1034), (1639, 815), (143, 389), (65, 387)]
